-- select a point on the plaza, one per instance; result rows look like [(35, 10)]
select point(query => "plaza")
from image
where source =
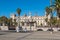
[(37, 35), (30, 20)]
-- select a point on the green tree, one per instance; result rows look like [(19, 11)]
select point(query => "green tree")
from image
[(15, 23), (48, 11), (3, 19), (18, 12), (56, 7)]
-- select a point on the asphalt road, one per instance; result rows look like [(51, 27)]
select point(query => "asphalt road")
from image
[(38, 35)]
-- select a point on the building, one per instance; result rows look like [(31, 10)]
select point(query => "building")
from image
[(27, 21)]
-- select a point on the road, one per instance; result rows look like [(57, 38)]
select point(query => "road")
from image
[(38, 35)]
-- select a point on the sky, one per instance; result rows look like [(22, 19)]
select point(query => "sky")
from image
[(8, 7)]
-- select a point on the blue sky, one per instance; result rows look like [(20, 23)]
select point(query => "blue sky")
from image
[(8, 7)]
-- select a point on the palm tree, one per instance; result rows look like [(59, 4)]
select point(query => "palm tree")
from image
[(47, 11), (56, 6), (57, 2), (18, 12)]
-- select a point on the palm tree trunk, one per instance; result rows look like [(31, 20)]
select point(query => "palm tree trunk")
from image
[(51, 20), (19, 21)]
